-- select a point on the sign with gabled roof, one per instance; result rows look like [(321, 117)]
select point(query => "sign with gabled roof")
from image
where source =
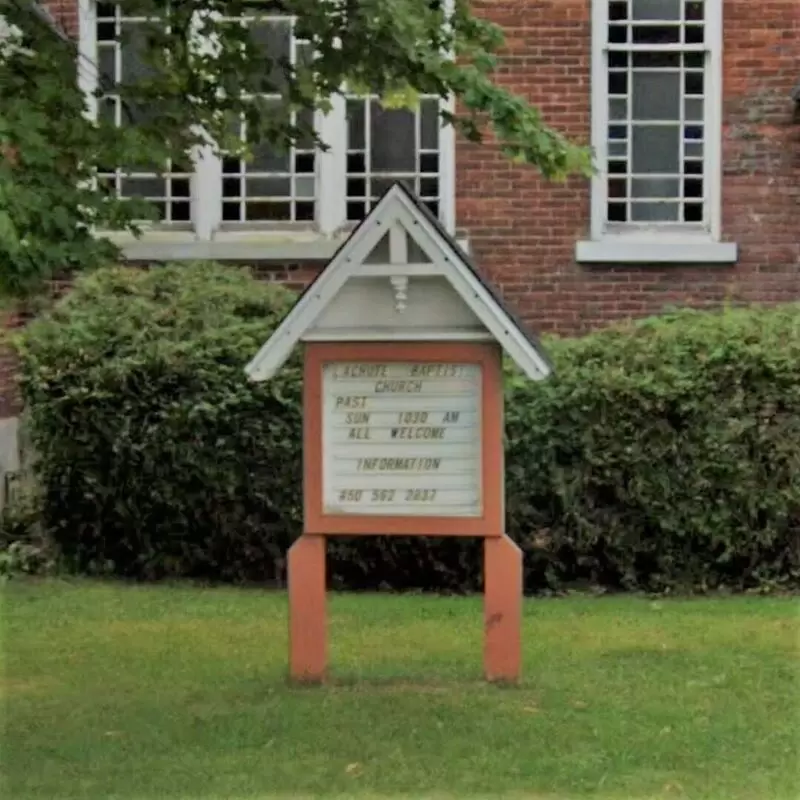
[(402, 413), (398, 254)]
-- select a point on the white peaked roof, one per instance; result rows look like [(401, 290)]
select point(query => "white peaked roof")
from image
[(417, 245)]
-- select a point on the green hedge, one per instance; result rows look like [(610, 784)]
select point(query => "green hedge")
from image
[(155, 455), (662, 456), (665, 454)]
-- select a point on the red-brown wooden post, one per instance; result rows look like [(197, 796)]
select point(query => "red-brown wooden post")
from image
[(502, 603), (308, 638)]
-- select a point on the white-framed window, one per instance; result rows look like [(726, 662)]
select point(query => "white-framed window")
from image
[(275, 186), (656, 127), (302, 190), (388, 145), (168, 190)]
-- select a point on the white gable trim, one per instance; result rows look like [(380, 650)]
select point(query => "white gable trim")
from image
[(395, 212), (477, 297)]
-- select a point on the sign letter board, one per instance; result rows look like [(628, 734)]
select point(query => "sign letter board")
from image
[(403, 438)]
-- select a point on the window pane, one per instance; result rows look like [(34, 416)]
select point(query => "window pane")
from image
[(181, 212), (654, 212), (304, 162), (617, 34), (692, 132), (656, 96), (618, 10), (304, 211), (656, 148), (357, 163), (656, 9), (618, 188), (429, 124), (262, 211), (106, 58), (305, 118), (391, 145), (271, 187), (617, 132), (181, 187), (304, 187), (153, 188), (133, 43), (693, 110), (693, 82), (274, 39), (693, 187), (120, 58), (656, 60), (694, 10), (428, 187), (356, 126), (694, 34), (618, 109), (694, 60), (692, 212), (693, 149), (266, 158), (232, 188), (392, 134), (429, 162), (617, 83), (268, 187), (656, 34), (655, 187), (617, 212), (618, 60), (107, 110)]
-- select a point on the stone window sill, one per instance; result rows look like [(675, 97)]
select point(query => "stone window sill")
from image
[(249, 246), (683, 250), (164, 245)]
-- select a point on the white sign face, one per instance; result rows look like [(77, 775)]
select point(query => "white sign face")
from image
[(402, 439)]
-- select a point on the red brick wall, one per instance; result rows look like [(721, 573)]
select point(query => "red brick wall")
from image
[(65, 13), (523, 231)]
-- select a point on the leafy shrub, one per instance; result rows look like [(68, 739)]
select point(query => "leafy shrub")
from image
[(20, 518), (27, 558), (156, 456), (663, 455), (24, 547)]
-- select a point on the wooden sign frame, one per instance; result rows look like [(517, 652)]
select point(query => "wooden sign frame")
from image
[(502, 558), (488, 356)]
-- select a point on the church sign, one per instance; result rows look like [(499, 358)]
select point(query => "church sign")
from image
[(404, 439), (401, 437), (403, 414)]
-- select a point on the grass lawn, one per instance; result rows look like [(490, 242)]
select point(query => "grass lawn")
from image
[(113, 691)]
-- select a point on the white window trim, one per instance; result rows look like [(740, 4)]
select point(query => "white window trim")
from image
[(291, 241), (666, 245)]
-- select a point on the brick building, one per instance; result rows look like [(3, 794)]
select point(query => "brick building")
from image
[(690, 104)]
